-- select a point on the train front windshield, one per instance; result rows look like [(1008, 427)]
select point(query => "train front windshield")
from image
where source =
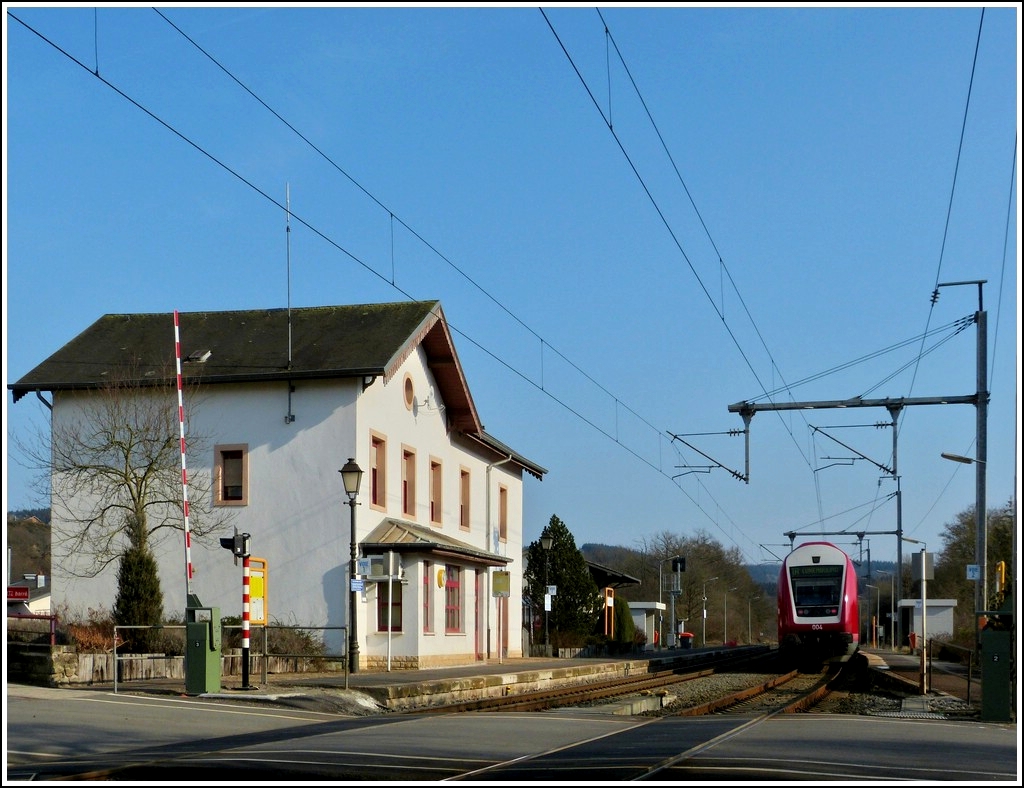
[(817, 590)]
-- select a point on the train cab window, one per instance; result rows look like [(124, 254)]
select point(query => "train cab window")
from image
[(817, 590), (817, 594)]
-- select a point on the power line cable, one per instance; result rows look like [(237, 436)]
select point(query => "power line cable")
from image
[(952, 192), (298, 218), (441, 256)]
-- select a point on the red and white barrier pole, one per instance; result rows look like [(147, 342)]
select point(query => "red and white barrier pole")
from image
[(184, 471), (245, 621)]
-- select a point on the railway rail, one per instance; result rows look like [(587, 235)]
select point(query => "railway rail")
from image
[(657, 682), (788, 693)]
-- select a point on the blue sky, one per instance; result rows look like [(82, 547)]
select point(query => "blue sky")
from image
[(629, 230)]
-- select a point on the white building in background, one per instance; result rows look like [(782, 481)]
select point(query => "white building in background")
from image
[(284, 399), (940, 617)]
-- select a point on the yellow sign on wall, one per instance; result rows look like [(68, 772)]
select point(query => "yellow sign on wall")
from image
[(258, 591)]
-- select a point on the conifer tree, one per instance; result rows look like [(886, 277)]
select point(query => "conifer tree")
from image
[(577, 603), (139, 600)]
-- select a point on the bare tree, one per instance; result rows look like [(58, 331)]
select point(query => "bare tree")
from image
[(113, 458)]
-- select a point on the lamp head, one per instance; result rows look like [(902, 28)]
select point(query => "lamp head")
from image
[(351, 475), (958, 458)]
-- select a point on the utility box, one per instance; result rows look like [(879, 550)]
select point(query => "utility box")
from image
[(996, 675), (202, 648)]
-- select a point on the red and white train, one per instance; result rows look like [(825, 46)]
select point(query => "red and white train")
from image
[(817, 597)]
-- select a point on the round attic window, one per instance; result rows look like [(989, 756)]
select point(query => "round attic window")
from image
[(410, 394)]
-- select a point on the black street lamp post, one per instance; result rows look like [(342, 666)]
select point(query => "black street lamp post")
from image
[(351, 475)]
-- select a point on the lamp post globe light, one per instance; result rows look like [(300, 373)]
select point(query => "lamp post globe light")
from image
[(545, 544), (351, 476)]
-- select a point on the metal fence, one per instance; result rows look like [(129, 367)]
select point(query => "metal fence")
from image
[(935, 647), (145, 665), (28, 634)]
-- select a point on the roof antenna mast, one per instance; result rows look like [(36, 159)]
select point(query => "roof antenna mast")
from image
[(288, 259), (290, 417)]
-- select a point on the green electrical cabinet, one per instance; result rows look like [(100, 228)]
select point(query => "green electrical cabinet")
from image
[(996, 675), (202, 648)]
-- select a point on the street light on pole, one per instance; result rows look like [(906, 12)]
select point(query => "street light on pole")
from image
[(545, 543), (892, 607), (351, 475), (704, 600), (980, 538), (924, 611), (725, 616), (878, 603)]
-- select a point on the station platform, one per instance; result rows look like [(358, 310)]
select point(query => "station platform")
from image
[(408, 689), (405, 689)]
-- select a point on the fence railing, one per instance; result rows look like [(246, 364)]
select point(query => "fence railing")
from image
[(51, 618), (262, 656), (933, 647)]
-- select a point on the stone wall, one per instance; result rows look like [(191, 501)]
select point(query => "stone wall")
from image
[(55, 666)]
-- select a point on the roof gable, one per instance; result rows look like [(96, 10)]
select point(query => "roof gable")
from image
[(244, 345), (261, 345)]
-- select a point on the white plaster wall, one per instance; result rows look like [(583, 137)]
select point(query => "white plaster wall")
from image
[(295, 513), (299, 519), (423, 428), (940, 615)]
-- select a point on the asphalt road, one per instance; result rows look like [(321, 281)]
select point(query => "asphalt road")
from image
[(97, 735)]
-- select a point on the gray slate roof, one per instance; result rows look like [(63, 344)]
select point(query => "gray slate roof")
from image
[(404, 536), (260, 345)]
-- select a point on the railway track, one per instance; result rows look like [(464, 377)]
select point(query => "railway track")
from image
[(662, 681), (788, 693)]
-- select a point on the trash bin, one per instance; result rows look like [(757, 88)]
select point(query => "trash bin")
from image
[(686, 640), (202, 648)]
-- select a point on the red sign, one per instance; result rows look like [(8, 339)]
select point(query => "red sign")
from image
[(17, 592)]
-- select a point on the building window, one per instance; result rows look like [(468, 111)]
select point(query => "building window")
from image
[(428, 597), (408, 392), (378, 477), (409, 483), (231, 472), (464, 499), (396, 606), (452, 599), (435, 492), (503, 513)]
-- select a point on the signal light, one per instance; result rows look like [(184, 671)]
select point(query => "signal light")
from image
[(237, 544)]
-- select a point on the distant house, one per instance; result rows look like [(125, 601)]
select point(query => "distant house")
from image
[(940, 618), (287, 397), (28, 596), (647, 618)]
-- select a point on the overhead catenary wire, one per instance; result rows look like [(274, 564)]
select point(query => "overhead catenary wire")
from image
[(393, 218), (915, 364), (949, 202), (355, 258), (614, 437)]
